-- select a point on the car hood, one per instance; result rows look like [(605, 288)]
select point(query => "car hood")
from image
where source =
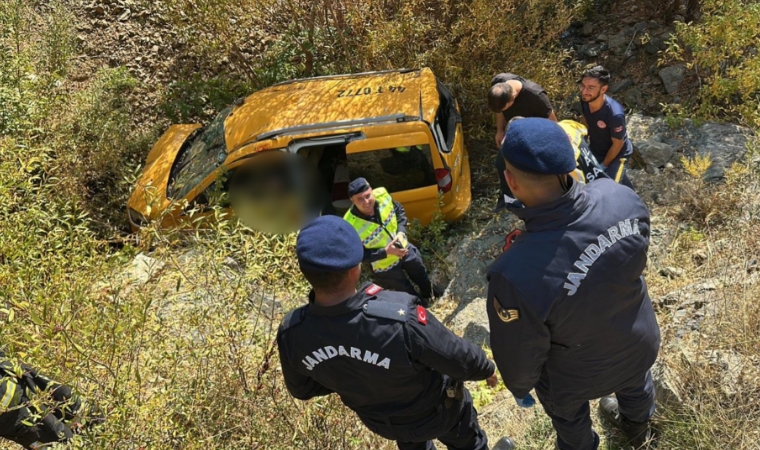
[(150, 191)]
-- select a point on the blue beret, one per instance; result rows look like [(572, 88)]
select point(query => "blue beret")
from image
[(357, 186), (539, 146), (329, 244)]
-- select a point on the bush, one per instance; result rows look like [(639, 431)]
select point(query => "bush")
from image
[(722, 49)]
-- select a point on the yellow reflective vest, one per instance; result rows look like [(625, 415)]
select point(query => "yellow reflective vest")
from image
[(374, 235), (10, 391)]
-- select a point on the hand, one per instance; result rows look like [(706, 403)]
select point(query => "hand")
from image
[(526, 402), (392, 250), (499, 139), (493, 380), (604, 166)]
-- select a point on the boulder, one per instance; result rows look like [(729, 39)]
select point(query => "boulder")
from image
[(587, 29), (621, 86), (590, 50), (618, 43), (655, 153), (672, 77), (634, 98), (142, 269), (723, 143)]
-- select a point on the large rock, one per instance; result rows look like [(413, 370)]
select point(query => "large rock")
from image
[(672, 77), (654, 152), (621, 86), (723, 143), (634, 98), (590, 50), (142, 269), (619, 42)]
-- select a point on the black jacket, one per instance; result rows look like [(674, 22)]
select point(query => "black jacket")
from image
[(384, 355), (567, 302)]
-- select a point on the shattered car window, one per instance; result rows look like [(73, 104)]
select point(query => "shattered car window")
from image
[(204, 154)]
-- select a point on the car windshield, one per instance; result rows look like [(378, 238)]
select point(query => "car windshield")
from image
[(204, 154)]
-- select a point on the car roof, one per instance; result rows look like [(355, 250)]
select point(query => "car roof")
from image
[(313, 103)]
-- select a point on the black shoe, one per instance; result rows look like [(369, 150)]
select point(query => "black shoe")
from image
[(638, 433), (438, 291), (504, 443)]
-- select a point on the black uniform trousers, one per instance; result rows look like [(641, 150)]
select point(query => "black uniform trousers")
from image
[(456, 427), (501, 166), (636, 402), (617, 171), (410, 268)]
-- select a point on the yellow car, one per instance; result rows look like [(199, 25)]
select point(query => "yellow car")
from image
[(289, 151)]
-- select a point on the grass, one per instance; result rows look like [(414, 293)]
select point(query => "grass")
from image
[(184, 358)]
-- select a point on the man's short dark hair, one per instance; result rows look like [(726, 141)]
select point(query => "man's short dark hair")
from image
[(598, 72), (499, 95), (325, 281)]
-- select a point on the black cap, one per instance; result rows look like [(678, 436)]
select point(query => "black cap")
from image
[(357, 186)]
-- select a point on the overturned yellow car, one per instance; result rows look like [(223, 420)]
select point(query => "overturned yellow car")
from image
[(287, 152)]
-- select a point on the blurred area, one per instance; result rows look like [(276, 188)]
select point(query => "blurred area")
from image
[(279, 194)]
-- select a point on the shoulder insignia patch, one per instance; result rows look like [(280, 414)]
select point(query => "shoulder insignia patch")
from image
[(506, 315), (421, 315), (510, 239), (386, 310), (373, 289)]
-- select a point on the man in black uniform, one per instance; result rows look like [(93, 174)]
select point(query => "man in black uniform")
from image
[(391, 361), (35, 411), (513, 96), (567, 303)]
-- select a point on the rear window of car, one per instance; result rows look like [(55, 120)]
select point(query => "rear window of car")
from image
[(199, 157), (400, 169)]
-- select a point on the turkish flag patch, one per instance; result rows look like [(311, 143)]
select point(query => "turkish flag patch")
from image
[(421, 315), (373, 289)]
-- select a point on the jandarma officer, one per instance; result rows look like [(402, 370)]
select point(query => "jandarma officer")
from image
[(36, 411), (381, 224), (567, 303), (390, 360)]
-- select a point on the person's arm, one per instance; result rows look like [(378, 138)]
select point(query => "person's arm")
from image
[(520, 340), (501, 125), (374, 254), (617, 145), (300, 386), (545, 108), (435, 346), (617, 133), (401, 219)]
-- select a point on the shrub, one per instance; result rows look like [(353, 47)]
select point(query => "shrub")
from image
[(722, 49)]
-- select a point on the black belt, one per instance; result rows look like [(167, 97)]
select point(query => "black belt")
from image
[(406, 420)]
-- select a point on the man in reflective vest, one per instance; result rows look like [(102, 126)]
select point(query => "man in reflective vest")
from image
[(35, 411), (381, 223)]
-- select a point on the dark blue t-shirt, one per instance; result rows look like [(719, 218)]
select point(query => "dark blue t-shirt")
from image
[(605, 124)]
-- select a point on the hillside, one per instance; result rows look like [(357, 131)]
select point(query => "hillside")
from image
[(172, 332)]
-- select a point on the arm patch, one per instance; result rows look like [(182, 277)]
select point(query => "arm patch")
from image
[(387, 310)]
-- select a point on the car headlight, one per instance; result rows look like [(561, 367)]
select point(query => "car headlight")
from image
[(136, 217)]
